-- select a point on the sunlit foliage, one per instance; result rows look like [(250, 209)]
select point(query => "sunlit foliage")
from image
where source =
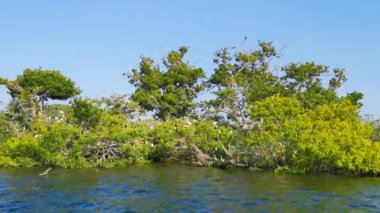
[(258, 114)]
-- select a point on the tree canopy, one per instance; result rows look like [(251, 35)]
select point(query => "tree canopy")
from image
[(36, 86), (46, 84), (170, 92)]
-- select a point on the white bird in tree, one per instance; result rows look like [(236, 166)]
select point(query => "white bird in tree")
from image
[(45, 172), (187, 121)]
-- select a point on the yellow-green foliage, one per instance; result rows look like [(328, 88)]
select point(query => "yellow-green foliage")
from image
[(273, 140), (333, 138), (330, 138), (7, 162), (206, 135), (286, 136), (55, 137), (24, 146), (210, 137), (136, 153)]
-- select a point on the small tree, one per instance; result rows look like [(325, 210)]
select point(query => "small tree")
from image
[(36, 86)]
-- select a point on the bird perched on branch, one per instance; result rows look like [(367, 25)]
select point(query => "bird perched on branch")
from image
[(244, 40)]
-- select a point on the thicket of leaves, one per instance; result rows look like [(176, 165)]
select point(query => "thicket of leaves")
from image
[(257, 114)]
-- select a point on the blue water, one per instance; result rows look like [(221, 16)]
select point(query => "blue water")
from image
[(179, 188)]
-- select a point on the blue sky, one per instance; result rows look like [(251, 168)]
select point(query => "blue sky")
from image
[(94, 42)]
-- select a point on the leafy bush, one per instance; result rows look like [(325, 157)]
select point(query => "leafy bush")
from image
[(24, 146), (7, 162), (56, 138), (330, 138), (273, 139), (333, 138)]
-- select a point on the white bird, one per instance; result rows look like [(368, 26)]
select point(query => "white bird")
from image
[(45, 172), (187, 121)]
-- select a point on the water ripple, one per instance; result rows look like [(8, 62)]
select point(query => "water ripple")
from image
[(176, 188)]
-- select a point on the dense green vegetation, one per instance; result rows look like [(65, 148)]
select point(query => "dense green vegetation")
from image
[(255, 115)]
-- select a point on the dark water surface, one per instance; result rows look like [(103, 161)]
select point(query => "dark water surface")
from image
[(179, 188)]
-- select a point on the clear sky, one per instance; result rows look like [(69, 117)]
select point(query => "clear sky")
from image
[(94, 42)]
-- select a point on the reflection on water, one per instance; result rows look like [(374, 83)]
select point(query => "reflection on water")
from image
[(173, 188)]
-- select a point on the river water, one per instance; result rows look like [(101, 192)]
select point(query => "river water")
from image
[(179, 188)]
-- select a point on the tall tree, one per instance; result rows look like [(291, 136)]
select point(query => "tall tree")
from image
[(242, 79), (169, 92)]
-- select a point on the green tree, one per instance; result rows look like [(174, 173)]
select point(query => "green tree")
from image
[(35, 86), (355, 98), (306, 81), (168, 93), (241, 80), (86, 112)]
